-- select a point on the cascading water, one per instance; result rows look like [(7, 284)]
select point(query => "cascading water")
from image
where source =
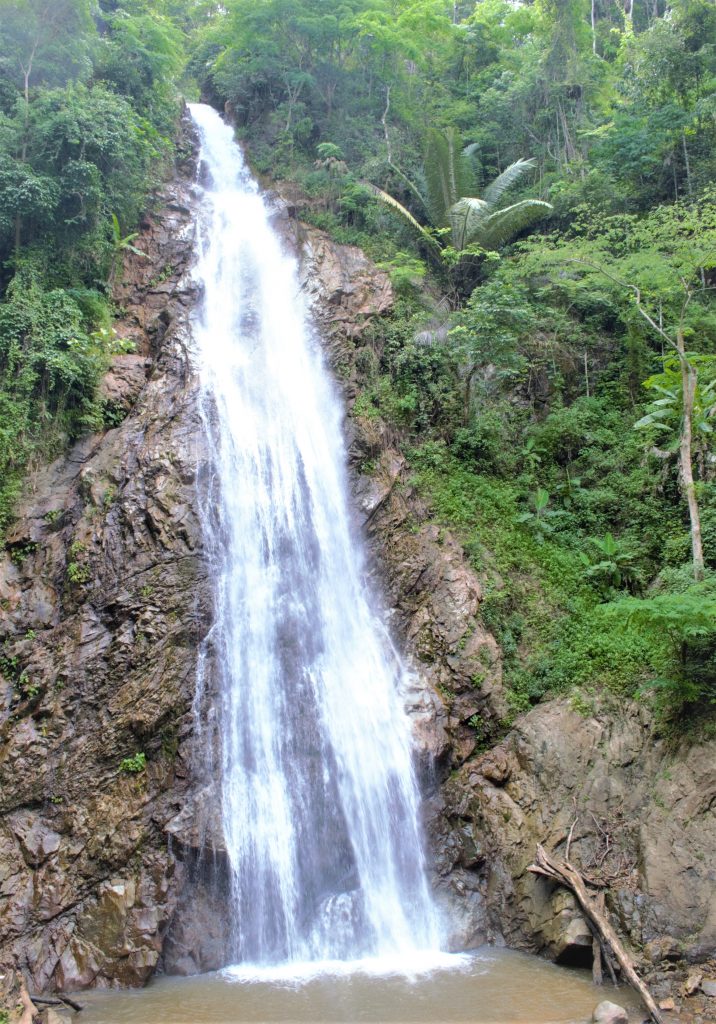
[(319, 801)]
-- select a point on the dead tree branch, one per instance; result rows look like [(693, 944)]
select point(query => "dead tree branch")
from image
[(564, 873)]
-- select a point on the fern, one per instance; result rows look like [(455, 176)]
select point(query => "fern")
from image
[(493, 192), (447, 174), (395, 205), (472, 221), (504, 224)]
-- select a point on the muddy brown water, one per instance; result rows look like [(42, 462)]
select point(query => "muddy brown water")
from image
[(488, 986)]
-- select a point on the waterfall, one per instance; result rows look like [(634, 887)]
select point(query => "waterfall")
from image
[(319, 801)]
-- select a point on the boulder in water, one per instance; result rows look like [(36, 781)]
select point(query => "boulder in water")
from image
[(610, 1013)]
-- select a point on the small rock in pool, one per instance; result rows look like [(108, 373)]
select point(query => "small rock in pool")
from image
[(610, 1013)]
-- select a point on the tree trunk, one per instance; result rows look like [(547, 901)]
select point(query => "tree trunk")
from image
[(688, 390), (467, 395), (687, 165), (594, 30)]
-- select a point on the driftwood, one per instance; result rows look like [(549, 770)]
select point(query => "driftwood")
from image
[(58, 1000), (566, 874)]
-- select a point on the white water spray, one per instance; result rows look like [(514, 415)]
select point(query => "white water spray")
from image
[(319, 801)]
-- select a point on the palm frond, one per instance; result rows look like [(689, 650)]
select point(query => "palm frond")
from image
[(406, 214), (447, 173), (509, 176), (504, 224), (467, 218)]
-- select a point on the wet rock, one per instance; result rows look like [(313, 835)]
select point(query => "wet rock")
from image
[(610, 1013), (51, 1016), (124, 380), (708, 987), (37, 840), (692, 983), (100, 619), (494, 766), (646, 822), (345, 288), (662, 948)]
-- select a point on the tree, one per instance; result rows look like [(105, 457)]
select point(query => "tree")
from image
[(661, 261), (45, 41), (675, 338), (666, 410), (469, 221), (681, 631)]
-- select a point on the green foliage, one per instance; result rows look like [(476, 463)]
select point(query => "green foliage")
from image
[(134, 765), (665, 413), (473, 224), (406, 272), (78, 573), (680, 630), (610, 565), (87, 102)]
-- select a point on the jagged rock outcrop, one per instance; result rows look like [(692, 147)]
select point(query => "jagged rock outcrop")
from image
[(645, 824), (104, 600)]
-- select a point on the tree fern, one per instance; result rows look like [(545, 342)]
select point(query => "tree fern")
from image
[(468, 217), (472, 220), (504, 224), (447, 174), (493, 192), (395, 205)]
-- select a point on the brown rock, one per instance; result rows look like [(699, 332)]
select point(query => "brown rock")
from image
[(610, 1013), (345, 288), (124, 380), (107, 653), (494, 766), (692, 983)]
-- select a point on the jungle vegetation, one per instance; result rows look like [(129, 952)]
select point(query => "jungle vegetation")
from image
[(537, 177)]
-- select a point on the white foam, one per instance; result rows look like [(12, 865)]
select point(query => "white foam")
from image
[(418, 963)]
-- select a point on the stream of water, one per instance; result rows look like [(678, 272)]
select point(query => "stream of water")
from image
[(320, 806)]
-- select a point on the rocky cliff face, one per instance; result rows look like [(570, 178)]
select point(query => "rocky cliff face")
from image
[(642, 822), (105, 603)]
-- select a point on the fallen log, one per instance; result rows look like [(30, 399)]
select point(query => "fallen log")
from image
[(58, 1000), (564, 873)]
